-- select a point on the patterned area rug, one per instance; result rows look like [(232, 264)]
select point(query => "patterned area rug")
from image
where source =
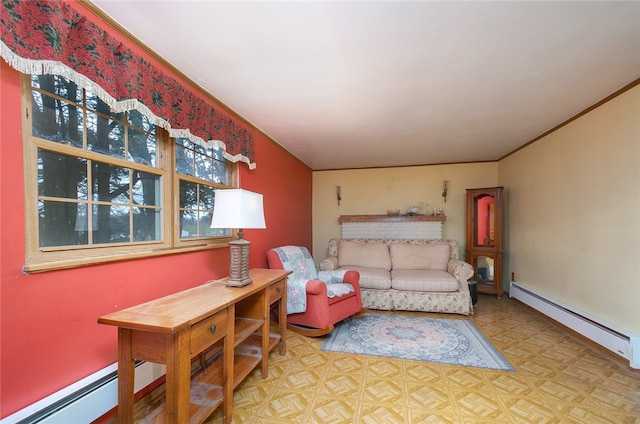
[(446, 341)]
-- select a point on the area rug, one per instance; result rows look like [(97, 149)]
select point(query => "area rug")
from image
[(446, 341)]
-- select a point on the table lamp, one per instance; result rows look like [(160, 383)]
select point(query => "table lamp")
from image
[(237, 208)]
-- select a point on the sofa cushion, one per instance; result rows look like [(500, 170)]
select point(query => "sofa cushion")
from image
[(420, 256), (373, 278), (425, 280), (369, 255)]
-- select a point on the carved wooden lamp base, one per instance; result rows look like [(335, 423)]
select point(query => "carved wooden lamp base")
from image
[(239, 268)]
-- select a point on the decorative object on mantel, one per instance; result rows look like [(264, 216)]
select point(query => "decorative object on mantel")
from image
[(240, 209), (413, 211), (445, 188), (393, 212)]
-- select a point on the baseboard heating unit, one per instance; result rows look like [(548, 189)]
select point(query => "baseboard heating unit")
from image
[(85, 400), (607, 335)]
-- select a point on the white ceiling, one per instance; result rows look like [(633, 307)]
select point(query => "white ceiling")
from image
[(356, 84)]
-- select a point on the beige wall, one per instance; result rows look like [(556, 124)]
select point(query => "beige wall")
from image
[(373, 191), (572, 209), (573, 213)]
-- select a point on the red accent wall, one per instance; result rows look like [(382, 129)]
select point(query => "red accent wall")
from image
[(49, 336)]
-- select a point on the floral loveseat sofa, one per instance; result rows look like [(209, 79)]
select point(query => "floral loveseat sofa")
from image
[(408, 275)]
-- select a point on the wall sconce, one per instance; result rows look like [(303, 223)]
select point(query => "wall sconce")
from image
[(445, 188), (339, 194)]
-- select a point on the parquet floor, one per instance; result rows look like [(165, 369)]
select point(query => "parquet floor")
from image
[(558, 378)]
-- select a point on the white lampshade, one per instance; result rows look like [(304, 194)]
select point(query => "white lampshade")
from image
[(237, 208)]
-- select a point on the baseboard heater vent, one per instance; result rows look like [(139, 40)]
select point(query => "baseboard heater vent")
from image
[(616, 340), (85, 400)]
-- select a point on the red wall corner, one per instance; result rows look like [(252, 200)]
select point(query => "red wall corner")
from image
[(49, 336)]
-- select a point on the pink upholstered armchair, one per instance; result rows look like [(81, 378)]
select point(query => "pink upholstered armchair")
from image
[(315, 301)]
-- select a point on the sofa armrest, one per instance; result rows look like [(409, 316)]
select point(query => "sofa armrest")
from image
[(460, 269), (329, 264)]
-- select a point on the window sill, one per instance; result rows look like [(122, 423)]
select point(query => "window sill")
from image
[(32, 268)]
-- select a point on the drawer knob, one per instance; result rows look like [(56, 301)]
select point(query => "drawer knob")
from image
[(279, 289), (213, 328)]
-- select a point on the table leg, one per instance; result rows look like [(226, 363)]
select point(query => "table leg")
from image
[(266, 330), (126, 370), (228, 366), (282, 323), (178, 377)]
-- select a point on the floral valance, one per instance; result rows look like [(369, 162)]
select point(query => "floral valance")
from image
[(51, 37)]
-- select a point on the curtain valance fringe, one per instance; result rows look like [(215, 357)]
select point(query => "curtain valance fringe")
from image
[(50, 67)]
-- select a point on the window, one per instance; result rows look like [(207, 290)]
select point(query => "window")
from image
[(100, 184), (199, 172)]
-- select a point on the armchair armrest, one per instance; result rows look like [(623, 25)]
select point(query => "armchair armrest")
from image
[(316, 288), (329, 263), (461, 270), (353, 277)]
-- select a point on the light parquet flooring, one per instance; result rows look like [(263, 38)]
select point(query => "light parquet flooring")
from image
[(558, 378)]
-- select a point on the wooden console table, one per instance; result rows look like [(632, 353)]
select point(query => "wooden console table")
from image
[(173, 329)]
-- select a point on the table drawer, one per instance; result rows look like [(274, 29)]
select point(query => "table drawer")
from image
[(276, 291), (208, 331)]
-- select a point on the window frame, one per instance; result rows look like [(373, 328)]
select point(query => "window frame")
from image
[(232, 178), (39, 259)]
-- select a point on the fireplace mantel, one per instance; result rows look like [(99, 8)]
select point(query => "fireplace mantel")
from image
[(392, 227), (390, 218)]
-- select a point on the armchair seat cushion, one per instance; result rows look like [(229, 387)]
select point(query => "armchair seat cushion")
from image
[(340, 289), (423, 280), (337, 299)]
